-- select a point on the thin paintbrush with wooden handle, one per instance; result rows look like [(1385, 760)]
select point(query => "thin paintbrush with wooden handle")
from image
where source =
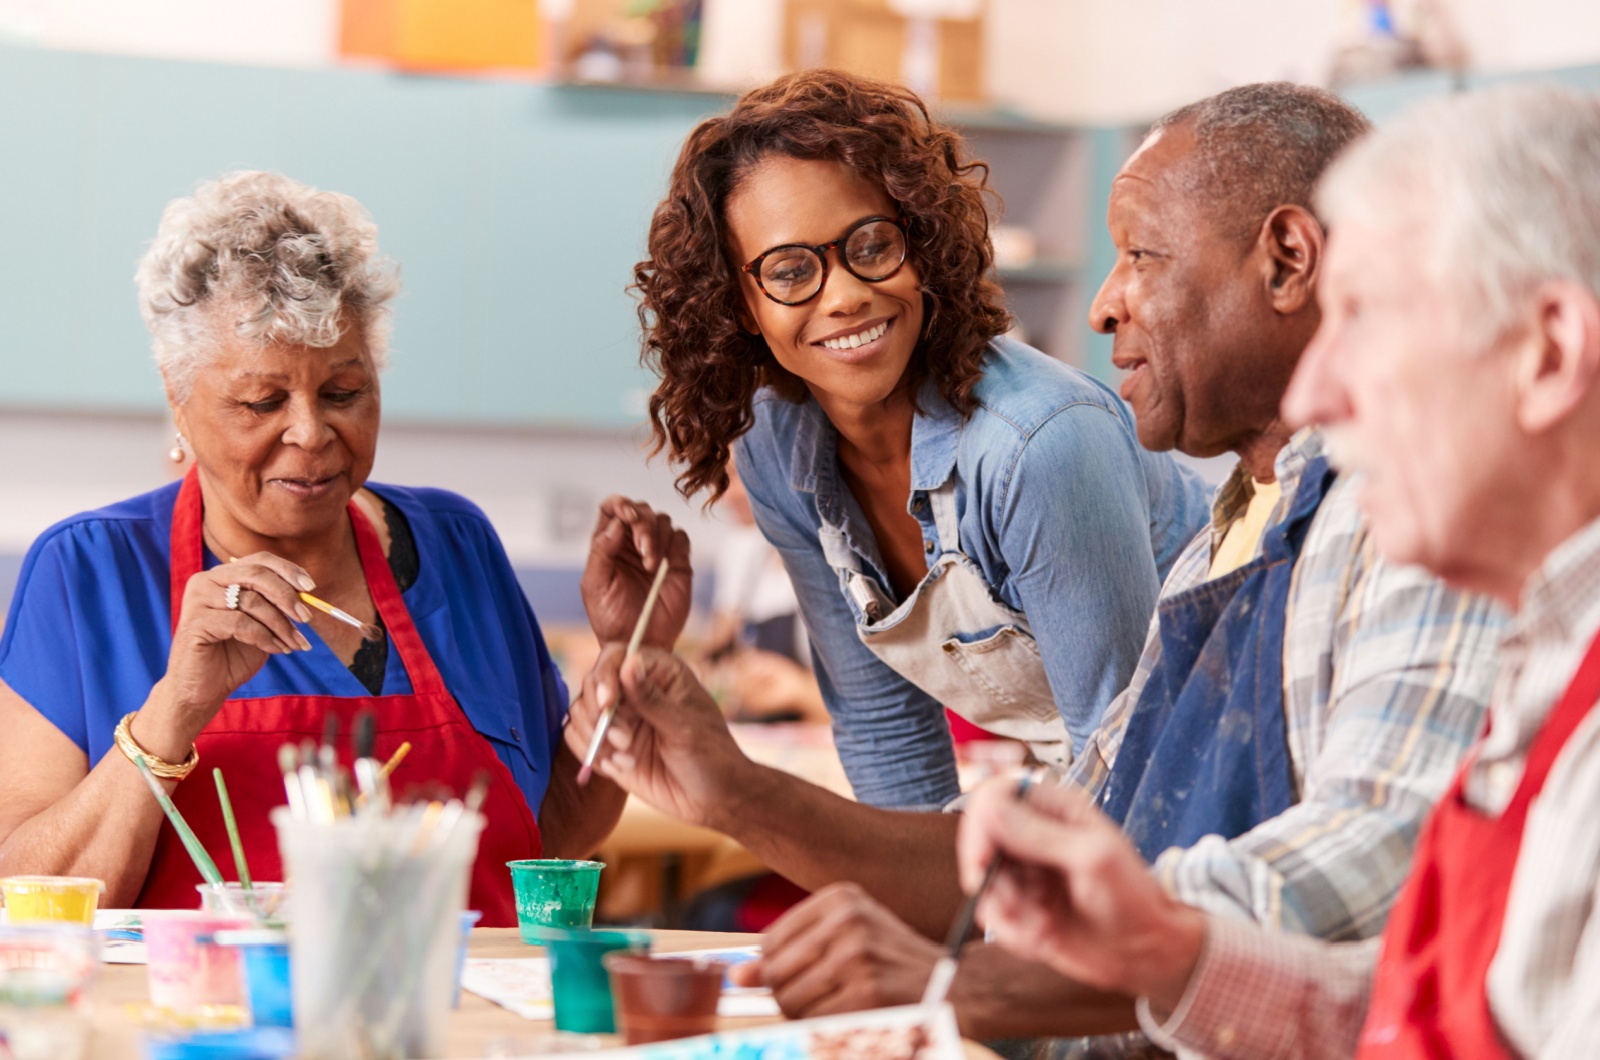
[(598, 739), (944, 973)]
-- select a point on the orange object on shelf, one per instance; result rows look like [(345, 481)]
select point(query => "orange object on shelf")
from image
[(443, 35)]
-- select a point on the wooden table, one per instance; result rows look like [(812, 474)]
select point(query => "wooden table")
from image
[(474, 1027)]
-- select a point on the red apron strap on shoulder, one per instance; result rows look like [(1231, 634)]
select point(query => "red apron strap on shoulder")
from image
[(425, 676), (188, 540)]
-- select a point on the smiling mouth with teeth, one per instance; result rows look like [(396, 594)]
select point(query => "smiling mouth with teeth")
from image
[(860, 338)]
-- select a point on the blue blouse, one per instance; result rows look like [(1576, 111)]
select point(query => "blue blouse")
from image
[(90, 629)]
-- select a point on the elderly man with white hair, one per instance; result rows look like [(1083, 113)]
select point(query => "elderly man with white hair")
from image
[(1457, 370), (134, 633)]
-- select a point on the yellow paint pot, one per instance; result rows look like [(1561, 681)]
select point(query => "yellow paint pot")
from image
[(61, 899)]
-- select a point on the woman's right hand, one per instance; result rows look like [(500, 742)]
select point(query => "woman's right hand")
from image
[(630, 539), (216, 649)]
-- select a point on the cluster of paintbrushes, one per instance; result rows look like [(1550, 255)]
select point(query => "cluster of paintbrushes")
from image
[(321, 790)]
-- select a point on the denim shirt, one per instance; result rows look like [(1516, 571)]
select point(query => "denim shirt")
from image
[(1069, 519)]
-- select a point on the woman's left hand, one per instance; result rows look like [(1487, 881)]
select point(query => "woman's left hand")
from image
[(630, 539)]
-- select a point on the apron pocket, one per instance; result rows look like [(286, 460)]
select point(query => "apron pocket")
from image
[(1007, 667)]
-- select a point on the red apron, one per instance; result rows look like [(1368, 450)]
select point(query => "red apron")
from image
[(1429, 998), (244, 737)]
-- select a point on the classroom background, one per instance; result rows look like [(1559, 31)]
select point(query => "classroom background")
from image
[(511, 152)]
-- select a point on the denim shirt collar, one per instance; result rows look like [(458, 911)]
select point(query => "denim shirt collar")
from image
[(935, 438)]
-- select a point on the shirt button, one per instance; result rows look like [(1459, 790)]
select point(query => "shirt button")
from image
[(918, 504), (927, 546), (515, 736)]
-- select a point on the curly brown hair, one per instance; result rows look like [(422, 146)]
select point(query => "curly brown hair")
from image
[(711, 368)]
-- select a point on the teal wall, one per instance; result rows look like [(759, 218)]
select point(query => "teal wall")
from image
[(515, 209)]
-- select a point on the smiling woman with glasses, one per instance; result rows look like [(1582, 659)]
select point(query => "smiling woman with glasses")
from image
[(968, 523)]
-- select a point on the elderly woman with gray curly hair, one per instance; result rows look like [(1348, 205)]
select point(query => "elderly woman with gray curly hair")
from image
[(171, 626)]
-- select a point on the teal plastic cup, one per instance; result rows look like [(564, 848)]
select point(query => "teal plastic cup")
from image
[(579, 984), (554, 894)]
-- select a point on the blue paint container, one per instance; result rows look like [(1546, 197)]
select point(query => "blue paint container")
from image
[(469, 920), (264, 956), (260, 1043)]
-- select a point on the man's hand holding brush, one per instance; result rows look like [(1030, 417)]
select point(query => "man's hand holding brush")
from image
[(1073, 893), (668, 742)]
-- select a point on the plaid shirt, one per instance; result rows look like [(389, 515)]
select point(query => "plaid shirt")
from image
[(1258, 995), (1387, 674)]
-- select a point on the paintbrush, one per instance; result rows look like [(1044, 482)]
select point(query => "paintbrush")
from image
[(318, 808), (367, 768), (477, 791), (394, 760), (289, 766), (368, 630), (191, 842), (233, 831), (944, 973), (598, 739)]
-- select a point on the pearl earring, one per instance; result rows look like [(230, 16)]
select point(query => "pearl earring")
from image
[(177, 453)]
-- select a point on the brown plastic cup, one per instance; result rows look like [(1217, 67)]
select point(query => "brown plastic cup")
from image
[(662, 998)]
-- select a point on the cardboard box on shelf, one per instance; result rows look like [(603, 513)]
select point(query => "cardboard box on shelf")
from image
[(867, 37)]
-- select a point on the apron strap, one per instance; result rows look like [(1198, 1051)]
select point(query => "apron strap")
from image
[(187, 540), (419, 664)]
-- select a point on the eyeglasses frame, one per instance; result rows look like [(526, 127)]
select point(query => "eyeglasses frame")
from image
[(753, 267)]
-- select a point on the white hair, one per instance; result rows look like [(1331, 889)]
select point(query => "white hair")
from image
[(268, 259), (1502, 185)]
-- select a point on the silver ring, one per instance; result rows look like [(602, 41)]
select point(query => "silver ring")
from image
[(231, 598)]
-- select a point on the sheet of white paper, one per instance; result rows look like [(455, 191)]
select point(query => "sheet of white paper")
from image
[(114, 926), (522, 984)]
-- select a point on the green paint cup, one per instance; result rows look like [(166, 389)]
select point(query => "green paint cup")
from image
[(579, 985), (554, 894)]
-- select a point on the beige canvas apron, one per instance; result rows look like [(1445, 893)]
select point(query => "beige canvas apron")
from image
[(955, 641)]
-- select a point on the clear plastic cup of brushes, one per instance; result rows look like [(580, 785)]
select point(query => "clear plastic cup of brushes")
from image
[(264, 902), (376, 907)]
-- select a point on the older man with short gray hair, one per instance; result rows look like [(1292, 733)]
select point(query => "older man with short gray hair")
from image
[(1457, 371)]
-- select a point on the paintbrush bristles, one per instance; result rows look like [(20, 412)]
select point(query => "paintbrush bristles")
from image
[(289, 766)]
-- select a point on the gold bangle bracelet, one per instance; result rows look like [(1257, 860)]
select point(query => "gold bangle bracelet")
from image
[(123, 736)]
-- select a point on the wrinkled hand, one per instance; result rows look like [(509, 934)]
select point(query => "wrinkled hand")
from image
[(668, 743), (214, 649), (628, 542), (1074, 894), (840, 951)]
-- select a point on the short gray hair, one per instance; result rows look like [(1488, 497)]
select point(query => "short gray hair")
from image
[(1503, 185), (1262, 146), (284, 261)]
